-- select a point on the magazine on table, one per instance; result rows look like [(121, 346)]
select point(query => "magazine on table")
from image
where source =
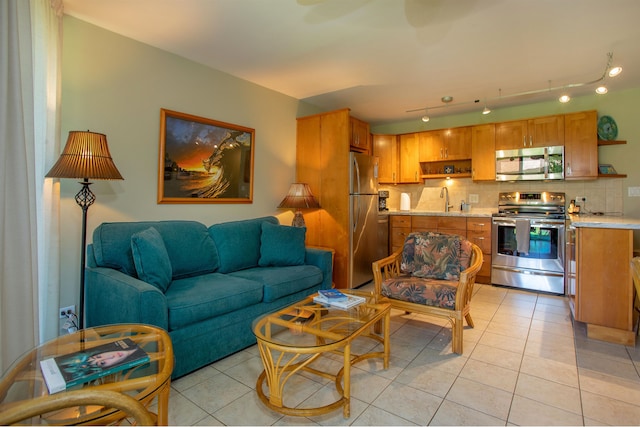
[(62, 372), (332, 295), (350, 301)]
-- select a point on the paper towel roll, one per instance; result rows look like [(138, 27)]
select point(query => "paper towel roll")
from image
[(405, 202)]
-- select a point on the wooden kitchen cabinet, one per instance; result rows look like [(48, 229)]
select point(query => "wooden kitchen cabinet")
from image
[(538, 132), (449, 144), (581, 145), (479, 232), (385, 147), (603, 293), (399, 229), (360, 138), (452, 225), (409, 164), (483, 152)]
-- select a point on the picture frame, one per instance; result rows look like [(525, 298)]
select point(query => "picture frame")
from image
[(606, 169), (203, 160), (449, 169)]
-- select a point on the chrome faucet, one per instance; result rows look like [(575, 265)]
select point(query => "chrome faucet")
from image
[(445, 192)]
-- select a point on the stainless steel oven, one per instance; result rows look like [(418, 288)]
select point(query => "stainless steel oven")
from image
[(528, 235)]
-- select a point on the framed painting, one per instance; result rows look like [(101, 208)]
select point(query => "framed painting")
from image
[(204, 161)]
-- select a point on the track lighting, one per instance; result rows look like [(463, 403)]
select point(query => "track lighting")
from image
[(609, 71)]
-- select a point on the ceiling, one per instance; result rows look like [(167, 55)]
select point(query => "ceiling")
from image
[(381, 58)]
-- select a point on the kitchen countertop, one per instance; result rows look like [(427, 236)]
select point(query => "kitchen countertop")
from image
[(480, 212), (605, 221)]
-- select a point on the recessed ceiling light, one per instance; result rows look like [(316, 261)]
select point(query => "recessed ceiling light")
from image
[(601, 90)]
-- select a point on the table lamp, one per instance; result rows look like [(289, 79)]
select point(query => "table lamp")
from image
[(299, 197), (85, 156)]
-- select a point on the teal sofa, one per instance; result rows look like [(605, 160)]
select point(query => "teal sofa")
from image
[(204, 285)]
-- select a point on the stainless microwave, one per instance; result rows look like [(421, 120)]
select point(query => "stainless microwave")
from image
[(529, 164)]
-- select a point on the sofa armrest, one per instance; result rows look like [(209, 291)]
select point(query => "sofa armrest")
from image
[(114, 297), (323, 259)]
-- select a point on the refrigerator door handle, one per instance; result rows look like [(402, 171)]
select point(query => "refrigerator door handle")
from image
[(356, 177), (356, 214)]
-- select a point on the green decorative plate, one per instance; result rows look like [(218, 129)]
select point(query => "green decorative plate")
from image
[(607, 128)]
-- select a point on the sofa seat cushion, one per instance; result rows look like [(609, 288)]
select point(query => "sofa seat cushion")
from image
[(198, 298), (431, 292), (282, 281)]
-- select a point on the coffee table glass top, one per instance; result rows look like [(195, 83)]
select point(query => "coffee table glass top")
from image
[(23, 380), (308, 324)]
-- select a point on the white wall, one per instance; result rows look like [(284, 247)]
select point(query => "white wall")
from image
[(117, 86)]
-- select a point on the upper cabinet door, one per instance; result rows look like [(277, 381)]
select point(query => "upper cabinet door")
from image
[(538, 132), (409, 162), (385, 148), (483, 152), (431, 145), (581, 145), (359, 136), (458, 143)]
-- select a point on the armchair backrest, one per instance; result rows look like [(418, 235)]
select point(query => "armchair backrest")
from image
[(435, 255)]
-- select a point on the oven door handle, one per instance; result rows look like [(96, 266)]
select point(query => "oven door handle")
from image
[(533, 222)]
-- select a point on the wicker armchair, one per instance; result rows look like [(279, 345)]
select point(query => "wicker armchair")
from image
[(442, 290)]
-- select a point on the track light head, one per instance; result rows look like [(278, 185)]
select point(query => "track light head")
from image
[(614, 71), (601, 90), (486, 111), (564, 99)]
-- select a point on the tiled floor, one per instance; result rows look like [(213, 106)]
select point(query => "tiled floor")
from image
[(524, 363)]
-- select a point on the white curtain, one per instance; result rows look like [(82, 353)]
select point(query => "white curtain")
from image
[(30, 34)]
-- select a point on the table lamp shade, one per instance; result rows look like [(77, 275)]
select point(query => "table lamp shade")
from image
[(86, 155), (299, 197)]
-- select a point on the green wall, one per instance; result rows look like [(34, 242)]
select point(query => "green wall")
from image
[(117, 86)]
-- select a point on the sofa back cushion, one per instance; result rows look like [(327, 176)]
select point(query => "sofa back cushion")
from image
[(435, 255), (238, 242), (189, 246), (281, 245)]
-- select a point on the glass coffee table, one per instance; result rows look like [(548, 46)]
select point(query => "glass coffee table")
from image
[(23, 382), (291, 339)]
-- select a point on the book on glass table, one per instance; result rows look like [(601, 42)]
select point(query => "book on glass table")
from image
[(351, 301), (332, 295), (62, 372)]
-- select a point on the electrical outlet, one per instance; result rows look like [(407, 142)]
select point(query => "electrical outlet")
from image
[(633, 191), (66, 310), (581, 199), (473, 198)]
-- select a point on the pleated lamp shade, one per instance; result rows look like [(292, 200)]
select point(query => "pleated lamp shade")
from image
[(299, 197), (86, 155)]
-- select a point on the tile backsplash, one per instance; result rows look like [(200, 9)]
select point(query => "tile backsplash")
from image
[(603, 195)]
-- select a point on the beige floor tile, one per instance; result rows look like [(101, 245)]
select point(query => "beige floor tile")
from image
[(373, 416), (609, 411), (183, 411), (503, 327), (529, 412), (454, 414), (552, 328), (194, 378), (478, 396), (246, 372), (325, 396), (366, 386), (546, 316), (247, 410), (549, 392), (558, 351), (626, 390), (215, 392), (616, 367), (563, 373), (491, 375), (445, 361), (541, 332), (431, 380), (514, 344), (496, 356), (412, 404)]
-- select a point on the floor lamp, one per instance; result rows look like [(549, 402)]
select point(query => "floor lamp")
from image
[(86, 156)]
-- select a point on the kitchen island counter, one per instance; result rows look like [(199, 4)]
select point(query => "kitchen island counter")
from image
[(605, 221), (474, 213)]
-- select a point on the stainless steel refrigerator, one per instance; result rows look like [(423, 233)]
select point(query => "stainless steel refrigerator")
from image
[(363, 217)]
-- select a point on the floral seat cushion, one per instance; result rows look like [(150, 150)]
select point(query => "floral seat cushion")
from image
[(435, 255), (431, 292)]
